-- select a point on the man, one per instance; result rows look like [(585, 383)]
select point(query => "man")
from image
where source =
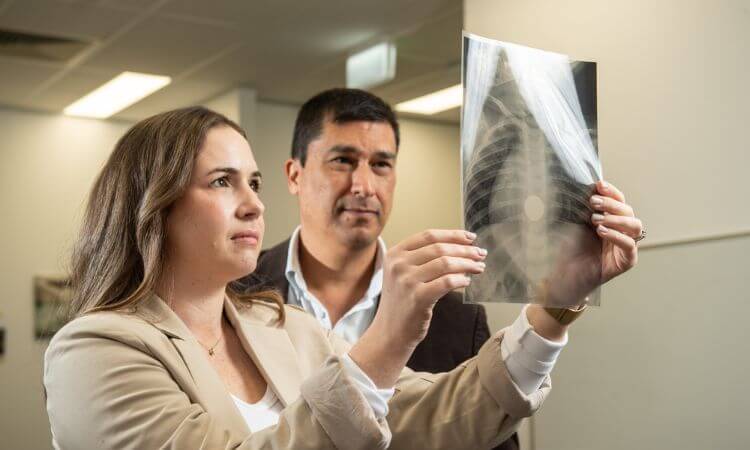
[(343, 172)]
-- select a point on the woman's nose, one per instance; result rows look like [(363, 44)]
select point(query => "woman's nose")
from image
[(251, 206)]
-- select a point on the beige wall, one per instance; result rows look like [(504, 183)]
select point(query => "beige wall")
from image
[(660, 364), (47, 165)]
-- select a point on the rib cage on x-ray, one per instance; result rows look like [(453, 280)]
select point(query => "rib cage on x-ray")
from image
[(519, 197)]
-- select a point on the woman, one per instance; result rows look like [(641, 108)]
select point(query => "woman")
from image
[(163, 353)]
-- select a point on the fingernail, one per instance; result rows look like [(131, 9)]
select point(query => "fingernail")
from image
[(471, 235), (482, 251), (605, 185), (602, 229), (482, 265), (596, 201), (596, 218)]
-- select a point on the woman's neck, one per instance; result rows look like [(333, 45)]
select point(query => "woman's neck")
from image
[(198, 302)]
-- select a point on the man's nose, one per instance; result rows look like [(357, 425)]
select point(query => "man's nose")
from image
[(362, 180)]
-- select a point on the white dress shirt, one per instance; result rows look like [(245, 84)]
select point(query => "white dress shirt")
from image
[(355, 321)]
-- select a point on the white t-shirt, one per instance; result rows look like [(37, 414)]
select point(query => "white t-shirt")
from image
[(263, 414)]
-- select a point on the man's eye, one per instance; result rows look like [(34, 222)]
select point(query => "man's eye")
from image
[(342, 160), (383, 164), (255, 185), (220, 182)]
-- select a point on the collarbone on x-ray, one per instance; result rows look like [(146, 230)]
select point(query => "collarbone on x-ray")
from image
[(528, 140)]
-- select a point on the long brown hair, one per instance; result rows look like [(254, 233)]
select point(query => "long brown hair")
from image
[(119, 255)]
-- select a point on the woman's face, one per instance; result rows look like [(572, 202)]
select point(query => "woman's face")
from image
[(215, 229)]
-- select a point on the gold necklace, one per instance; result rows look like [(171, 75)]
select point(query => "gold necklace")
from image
[(221, 335), (211, 350)]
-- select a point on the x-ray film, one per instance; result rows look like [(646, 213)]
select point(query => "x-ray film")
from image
[(530, 164)]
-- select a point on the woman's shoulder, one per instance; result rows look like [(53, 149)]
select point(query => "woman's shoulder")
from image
[(124, 327)]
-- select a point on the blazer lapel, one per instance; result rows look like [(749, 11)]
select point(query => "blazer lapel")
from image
[(270, 348), (209, 388)]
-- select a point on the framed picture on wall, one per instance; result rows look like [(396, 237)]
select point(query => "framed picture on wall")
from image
[(51, 298)]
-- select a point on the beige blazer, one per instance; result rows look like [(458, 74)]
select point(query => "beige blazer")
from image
[(142, 381)]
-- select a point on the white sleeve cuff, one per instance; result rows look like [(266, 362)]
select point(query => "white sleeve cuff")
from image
[(377, 398), (528, 356)]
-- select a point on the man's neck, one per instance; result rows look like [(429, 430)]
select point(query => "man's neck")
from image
[(338, 276)]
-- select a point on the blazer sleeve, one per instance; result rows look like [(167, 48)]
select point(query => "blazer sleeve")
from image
[(106, 391), (476, 405)]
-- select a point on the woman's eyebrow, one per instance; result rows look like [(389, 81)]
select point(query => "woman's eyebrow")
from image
[(233, 171)]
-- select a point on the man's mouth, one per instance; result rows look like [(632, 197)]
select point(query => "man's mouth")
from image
[(361, 211)]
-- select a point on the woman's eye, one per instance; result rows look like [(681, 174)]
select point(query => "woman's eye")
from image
[(220, 182), (255, 185)]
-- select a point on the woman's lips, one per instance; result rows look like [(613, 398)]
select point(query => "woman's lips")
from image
[(246, 237)]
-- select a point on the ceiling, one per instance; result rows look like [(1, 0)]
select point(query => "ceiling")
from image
[(287, 50)]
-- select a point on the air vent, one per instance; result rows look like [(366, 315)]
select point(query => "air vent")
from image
[(39, 47)]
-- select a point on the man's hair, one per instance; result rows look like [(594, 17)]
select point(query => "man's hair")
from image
[(339, 106)]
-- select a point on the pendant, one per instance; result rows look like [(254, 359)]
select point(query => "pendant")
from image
[(211, 352)]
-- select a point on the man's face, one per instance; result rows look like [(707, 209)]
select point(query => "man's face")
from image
[(345, 189)]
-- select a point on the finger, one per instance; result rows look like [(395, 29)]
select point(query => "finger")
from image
[(437, 288), (611, 206), (432, 251), (632, 226), (623, 241), (610, 190), (428, 237), (446, 265)]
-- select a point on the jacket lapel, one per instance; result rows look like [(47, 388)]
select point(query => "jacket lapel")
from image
[(210, 390), (269, 347)]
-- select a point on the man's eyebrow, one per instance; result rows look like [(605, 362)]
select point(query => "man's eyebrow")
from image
[(349, 150), (385, 154), (233, 171), (346, 149)]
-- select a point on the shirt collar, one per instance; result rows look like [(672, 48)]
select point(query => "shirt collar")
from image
[(296, 279)]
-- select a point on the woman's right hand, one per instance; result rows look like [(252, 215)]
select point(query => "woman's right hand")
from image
[(417, 272)]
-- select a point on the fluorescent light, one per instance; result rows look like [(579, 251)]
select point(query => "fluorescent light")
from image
[(371, 67), (436, 102), (116, 95)]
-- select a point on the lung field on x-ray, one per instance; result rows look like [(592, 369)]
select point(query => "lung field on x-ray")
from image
[(518, 197)]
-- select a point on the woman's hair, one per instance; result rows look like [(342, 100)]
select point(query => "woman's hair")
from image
[(119, 255)]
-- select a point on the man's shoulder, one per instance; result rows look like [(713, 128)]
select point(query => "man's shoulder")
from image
[(273, 258), (269, 271)]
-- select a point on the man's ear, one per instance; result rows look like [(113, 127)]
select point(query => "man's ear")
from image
[(293, 170)]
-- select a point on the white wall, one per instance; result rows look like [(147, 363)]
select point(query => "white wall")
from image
[(47, 166), (660, 365)]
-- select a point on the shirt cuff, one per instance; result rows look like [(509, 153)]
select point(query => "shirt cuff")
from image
[(528, 356), (377, 398)]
